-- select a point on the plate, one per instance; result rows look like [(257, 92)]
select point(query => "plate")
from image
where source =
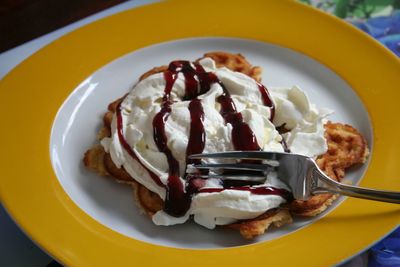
[(40, 200)]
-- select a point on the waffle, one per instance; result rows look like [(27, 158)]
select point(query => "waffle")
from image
[(346, 148)]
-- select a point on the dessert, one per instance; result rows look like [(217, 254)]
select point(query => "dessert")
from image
[(217, 103)]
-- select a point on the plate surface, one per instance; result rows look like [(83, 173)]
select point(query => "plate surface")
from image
[(32, 94)]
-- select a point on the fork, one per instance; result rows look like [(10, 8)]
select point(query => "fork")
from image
[(300, 173)]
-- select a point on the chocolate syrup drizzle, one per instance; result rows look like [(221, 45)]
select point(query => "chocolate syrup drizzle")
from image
[(197, 82), (129, 149), (267, 99), (197, 136), (261, 190)]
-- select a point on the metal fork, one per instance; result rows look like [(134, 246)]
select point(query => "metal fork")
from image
[(300, 173)]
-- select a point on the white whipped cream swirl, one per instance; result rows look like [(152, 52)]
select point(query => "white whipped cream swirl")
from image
[(293, 109)]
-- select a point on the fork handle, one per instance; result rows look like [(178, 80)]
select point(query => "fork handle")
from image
[(354, 191)]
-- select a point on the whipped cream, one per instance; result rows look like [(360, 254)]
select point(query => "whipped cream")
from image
[(304, 120), (143, 103)]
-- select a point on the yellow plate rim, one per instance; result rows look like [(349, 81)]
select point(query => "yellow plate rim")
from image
[(33, 92)]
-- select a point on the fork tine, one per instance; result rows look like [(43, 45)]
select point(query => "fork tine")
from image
[(235, 166), (260, 155)]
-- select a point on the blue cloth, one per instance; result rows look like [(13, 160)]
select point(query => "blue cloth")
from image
[(385, 29), (387, 252)]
